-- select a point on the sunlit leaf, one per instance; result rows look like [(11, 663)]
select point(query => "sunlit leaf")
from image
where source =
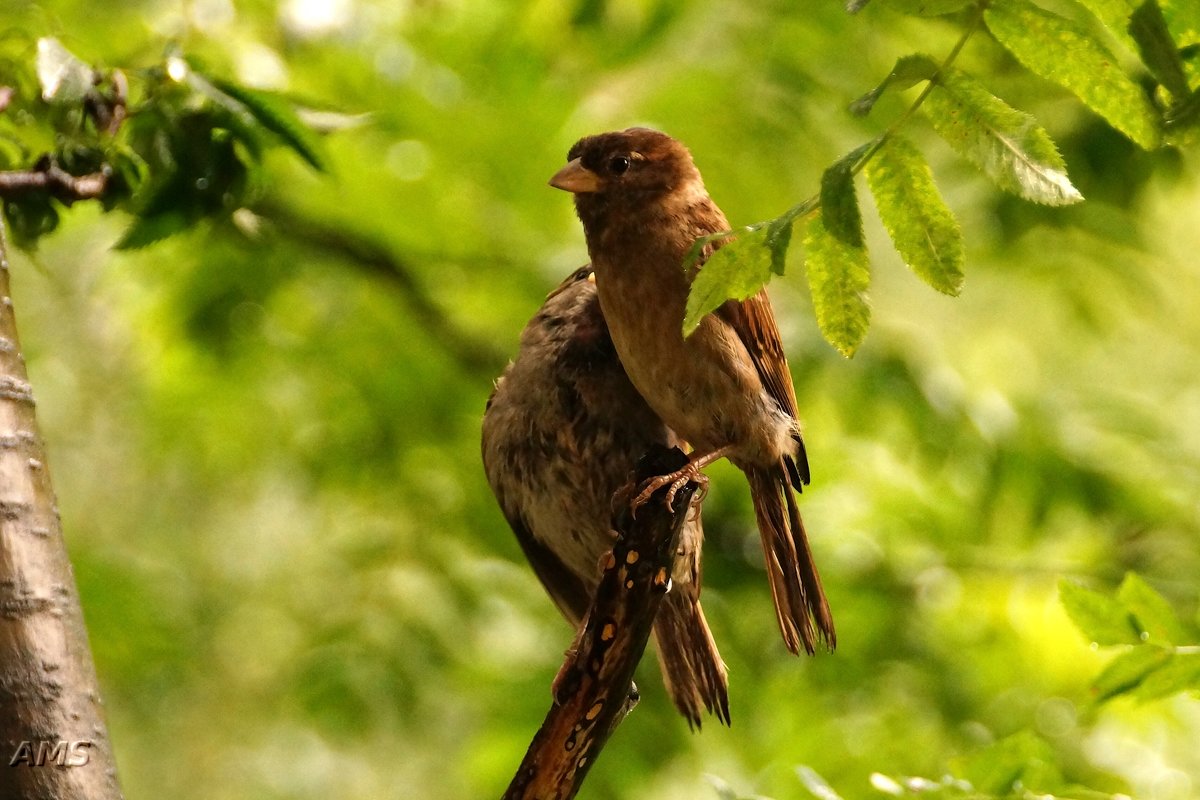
[(64, 78), (1065, 52), (816, 785), (1113, 13), (1128, 670), (722, 788), (1005, 143), (1159, 52), (1102, 619), (1183, 20), (885, 784), (736, 271), (332, 121), (924, 231), (838, 277), (909, 71), (1151, 610), (1180, 673), (996, 769), (928, 8)]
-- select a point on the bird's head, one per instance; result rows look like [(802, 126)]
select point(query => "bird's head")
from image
[(627, 170)]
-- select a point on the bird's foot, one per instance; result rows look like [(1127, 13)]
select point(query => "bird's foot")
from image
[(674, 481)]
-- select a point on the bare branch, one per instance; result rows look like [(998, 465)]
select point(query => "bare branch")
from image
[(46, 176)]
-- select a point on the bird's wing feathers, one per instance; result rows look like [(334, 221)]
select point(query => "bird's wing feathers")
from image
[(754, 324), (564, 586)]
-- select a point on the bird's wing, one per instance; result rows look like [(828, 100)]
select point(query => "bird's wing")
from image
[(754, 323), (564, 587)]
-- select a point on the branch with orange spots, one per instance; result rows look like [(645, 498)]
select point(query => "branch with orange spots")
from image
[(594, 690)]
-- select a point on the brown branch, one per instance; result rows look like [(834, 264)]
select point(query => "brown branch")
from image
[(472, 353), (53, 740), (594, 690), (46, 176), (109, 110)]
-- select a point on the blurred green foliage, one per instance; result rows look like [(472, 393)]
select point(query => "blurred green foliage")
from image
[(264, 434)]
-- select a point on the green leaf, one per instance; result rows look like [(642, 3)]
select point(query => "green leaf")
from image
[(839, 203), (30, 218), (276, 113), (996, 769), (721, 787), (64, 78), (146, 231), (1183, 20), (738, 269), (909, 71), (1113, 13), (1102, 619), (779, 237), (1005, 143), (1179, 674), (1065, 52), (838, 276), (1128, 670), (817, 786), (1183, 115), (1158, 50), (928, 8), (1150, 610), (924, 231)]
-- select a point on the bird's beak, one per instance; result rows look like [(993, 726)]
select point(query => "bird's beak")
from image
[(576, 179)]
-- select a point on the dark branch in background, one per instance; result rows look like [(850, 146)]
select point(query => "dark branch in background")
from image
[(46, 176), (596, 681), (472, 353), (109, 111)]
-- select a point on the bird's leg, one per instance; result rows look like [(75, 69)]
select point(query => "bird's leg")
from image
[(676, 480)]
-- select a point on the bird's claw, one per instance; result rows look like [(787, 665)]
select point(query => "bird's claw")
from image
[(675, 481)]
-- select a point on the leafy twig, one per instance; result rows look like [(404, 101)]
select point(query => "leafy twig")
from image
[(712, 286)]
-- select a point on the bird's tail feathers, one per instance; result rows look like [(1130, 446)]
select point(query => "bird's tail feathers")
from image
[(800, 605), (692, 669)]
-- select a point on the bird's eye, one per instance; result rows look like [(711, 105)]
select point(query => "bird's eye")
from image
[(619, 165)]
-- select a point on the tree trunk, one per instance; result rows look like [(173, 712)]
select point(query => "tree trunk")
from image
[(53, 739)]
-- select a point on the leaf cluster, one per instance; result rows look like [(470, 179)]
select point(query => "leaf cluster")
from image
[(175, 143), (1159, 655), (1019, 766), (1006, 144)]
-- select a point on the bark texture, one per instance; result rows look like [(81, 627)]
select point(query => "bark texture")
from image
[(595, 685), (53, 740)]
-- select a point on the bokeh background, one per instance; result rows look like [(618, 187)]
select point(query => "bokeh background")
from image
[(296, 580)]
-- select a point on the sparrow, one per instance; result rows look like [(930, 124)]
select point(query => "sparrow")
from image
[(726, 388), (562, 432)]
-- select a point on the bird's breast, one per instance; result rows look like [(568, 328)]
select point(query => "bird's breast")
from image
[(703, 387)]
